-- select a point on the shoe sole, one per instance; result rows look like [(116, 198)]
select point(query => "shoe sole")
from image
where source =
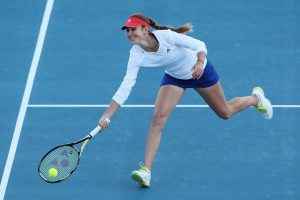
[(269, 113), (139, 179)]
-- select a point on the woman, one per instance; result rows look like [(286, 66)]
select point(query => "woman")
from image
[(186, 66)]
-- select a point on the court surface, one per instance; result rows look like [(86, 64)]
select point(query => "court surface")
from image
[(82, 60)]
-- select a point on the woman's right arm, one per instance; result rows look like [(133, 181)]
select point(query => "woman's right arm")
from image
[(107, 115), (122, 93)]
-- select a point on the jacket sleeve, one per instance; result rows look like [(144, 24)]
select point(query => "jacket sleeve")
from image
[(128, 82), (186, 42)]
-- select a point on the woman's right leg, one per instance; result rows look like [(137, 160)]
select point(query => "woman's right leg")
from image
[(215, 98)]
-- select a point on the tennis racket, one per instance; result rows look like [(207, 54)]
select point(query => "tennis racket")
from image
[(61, 161)]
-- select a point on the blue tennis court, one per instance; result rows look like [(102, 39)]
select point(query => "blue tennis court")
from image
[(58, 96)]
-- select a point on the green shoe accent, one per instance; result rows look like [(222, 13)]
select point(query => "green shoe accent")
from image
[(259, 107), (143, 168)]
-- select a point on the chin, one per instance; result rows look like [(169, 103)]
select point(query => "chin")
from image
[(132, 42)]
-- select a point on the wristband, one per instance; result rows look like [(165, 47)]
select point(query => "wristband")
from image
[(107, 120)]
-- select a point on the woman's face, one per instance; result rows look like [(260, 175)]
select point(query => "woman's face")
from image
[(136, 34)]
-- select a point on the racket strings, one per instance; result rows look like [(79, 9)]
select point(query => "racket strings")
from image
[(64, 159)]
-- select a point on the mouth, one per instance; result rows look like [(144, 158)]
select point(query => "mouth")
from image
[(131, 38)]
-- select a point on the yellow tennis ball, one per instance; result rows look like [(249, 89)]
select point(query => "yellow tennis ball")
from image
[(52, 172)]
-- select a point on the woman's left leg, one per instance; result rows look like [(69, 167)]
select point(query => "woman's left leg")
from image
[(167, 98), (215, 98)]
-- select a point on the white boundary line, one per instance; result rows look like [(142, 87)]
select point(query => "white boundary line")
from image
[(26, 96), (130, 106)]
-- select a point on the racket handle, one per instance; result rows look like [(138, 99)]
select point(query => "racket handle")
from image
[(98, 128), (95, 131)]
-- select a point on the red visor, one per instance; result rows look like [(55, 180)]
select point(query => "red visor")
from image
[(134, 22)]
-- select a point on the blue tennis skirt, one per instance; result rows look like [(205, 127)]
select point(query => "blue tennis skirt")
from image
[(208, 78)]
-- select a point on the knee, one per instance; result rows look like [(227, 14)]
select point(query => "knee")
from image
[(159, 120), (225, 114)]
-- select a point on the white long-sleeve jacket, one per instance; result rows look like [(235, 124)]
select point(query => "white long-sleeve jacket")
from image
[(177, 53)]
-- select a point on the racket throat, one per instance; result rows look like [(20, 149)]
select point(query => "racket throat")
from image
[(83, 146)]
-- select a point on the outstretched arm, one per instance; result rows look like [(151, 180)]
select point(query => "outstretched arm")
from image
[(110, 111), (122, 93)]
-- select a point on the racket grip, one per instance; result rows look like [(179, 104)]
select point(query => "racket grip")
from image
[(95, 131), (98, 128)]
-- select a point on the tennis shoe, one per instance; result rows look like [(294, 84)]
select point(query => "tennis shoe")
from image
[(264, 106), (142, 176)]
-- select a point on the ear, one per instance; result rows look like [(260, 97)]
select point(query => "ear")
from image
[(146, 29)]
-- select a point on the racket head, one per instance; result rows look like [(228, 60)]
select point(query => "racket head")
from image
[(64, 158)]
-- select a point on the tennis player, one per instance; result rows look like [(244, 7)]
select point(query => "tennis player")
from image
[(186, 66)]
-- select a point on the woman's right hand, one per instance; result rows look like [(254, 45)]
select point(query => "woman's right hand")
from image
[(105, 119), (104, 122)]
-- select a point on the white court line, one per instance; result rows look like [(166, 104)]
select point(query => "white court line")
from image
[(130, 106), (26, 96)]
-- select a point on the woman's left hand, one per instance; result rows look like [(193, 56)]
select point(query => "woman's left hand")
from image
[(197, 70)]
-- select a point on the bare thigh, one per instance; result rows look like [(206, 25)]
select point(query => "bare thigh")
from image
[(214, 97), (167, 98)]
